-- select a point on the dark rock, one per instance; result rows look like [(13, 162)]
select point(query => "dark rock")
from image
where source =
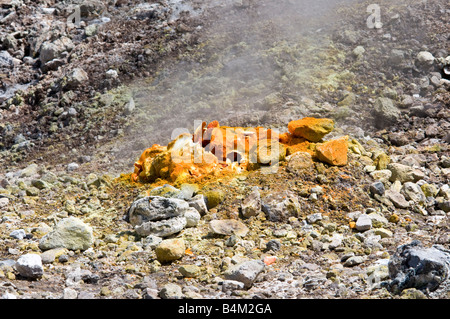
[(377, 188), (273, 245), (414, 266), (398, 139)]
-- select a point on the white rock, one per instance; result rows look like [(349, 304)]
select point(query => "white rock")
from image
[(192, 217), (313, 218), (30, 266), (198, 202), (8, 295), (425, 58), (70, 293), (72, 167), (4, 202), (18, 234), (111, 74), (363, 222)]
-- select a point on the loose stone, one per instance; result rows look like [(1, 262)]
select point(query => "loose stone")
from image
[(30, 266)]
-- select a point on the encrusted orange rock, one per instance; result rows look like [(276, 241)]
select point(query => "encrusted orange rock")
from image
[(333, 152), (236, 144), (215, 150), (296, 144), (211, 150), (182, 160), (313, 129), (145, 161)]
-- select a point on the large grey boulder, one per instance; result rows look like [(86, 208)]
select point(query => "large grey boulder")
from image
[(161, 216), (162, 228), (415, 266), (155, 208)]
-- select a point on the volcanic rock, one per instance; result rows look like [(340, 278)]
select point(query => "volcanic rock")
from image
[(192, 217), (76, 78), (396, 198), (415, 266), (228, 227), (30, 266), (245, 272), (413, 192), (279, 207), (162, 228), (198, 202), (386, 113), (251, 205), (333, 152), (53, 50), (313, 129), (299, 161), (171, 291), (170, 249), (213, 198), (404, 173), (377, 188), (424, 60), (160, 216), (154, 208), (70, 233), (364, 222), (382, 161)]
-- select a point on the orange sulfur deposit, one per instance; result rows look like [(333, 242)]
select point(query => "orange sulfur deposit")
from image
[(215, 150)]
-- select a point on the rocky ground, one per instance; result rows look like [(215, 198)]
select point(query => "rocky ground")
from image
[(80, 100)]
